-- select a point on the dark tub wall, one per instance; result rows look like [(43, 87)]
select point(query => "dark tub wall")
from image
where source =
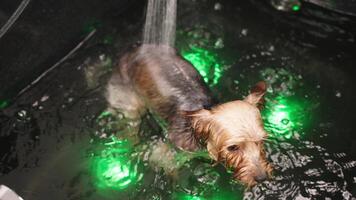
[(44, 33)]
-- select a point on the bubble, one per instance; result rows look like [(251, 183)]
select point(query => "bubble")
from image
[(217, 6), (219, 43), (44, 98), (244, 32)]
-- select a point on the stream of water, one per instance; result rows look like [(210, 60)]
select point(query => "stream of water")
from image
[(160, 25)]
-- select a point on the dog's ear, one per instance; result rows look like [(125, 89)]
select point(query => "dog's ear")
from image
[(256, 96), (201, 122)]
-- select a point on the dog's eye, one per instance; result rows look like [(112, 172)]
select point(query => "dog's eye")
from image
[(233, 148)]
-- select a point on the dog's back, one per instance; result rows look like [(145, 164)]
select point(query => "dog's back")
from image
[(162, 80), (157, 78)]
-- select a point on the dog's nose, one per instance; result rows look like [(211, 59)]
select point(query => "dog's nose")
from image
[(261, 177)]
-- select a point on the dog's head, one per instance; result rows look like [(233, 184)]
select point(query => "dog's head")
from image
[(234, 135)]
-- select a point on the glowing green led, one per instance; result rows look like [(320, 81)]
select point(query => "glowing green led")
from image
[(114, 173), (206, 63), (114, 167), (296, 7), (3, 104)]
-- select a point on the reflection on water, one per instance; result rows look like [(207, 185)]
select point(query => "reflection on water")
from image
[(297, 174)]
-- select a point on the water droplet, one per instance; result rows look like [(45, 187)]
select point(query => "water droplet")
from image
[(22, 113), (271, 48), (217, 6), (219, 43), (44, 98), (23, 116), (102, 57), (244, 32)]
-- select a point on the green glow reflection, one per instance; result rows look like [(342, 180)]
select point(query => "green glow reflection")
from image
[(287, 112), (3, 104), (113, 166), (200, 46), (184, 196), (206, 62), (296, 8), (284, 115)]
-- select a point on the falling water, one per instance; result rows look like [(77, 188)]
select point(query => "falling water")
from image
[(160, 25)]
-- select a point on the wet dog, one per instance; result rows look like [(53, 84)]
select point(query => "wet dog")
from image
[(157, 79)]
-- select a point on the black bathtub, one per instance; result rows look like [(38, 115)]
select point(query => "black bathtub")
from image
[(57, 55)]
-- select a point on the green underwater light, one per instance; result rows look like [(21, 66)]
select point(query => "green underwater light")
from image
[(288, 110), (296, 7), (113, 167), (206, 62)]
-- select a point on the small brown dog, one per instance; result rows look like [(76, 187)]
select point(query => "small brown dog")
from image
[(157, 79)]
